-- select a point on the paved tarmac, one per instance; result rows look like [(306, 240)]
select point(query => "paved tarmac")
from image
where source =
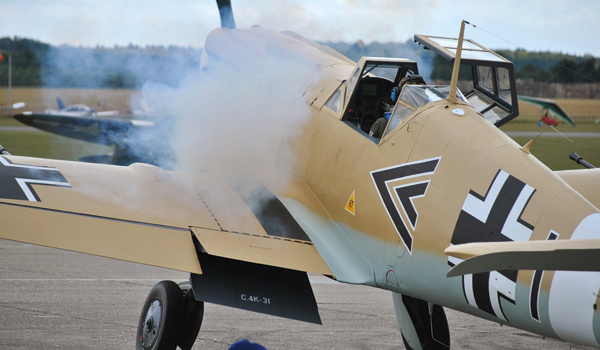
[(53, 299)]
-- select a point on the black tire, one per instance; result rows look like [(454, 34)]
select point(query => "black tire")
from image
[(160, 322), (194, 313)]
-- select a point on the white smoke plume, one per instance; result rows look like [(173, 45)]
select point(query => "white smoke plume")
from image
[(236, 116), (233, 118)]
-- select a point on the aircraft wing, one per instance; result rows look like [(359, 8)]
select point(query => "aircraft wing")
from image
[(105, 131), (569, 255), (550, 105), (144, 214), (584, 181)]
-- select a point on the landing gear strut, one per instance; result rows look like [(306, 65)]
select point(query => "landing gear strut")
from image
[(171, 316), (424, 326)]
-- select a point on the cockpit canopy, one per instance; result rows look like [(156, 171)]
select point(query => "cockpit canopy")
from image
[(372, 105), (494, 92), (372, 102)]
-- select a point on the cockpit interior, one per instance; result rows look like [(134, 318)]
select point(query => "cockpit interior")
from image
[(374, 89)]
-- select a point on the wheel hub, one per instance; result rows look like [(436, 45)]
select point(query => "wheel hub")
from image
[(152, 324)]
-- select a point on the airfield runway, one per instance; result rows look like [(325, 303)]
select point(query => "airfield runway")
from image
[(53, 299)]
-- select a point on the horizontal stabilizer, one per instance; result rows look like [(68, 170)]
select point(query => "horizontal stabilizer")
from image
[(566, 255)]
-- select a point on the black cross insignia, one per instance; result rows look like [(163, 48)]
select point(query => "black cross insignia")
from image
[(495, 217), (16, 180), (536, 286)]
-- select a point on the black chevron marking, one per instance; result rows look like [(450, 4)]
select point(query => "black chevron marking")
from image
[(406, 194), (382, 177)]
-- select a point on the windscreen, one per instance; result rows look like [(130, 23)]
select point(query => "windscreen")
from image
[(417, 96), (420, 95)]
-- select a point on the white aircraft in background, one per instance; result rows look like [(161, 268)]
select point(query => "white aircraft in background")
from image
[(78, 110)]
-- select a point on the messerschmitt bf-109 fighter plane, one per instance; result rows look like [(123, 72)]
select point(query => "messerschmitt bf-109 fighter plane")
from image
[(443, 209)]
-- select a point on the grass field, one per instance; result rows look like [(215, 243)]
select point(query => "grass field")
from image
[(552, 151), (46, 145)]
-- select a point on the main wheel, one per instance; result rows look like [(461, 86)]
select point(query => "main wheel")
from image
[(160, 322)]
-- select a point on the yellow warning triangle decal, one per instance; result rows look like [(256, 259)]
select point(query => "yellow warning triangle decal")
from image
[(350, 204)]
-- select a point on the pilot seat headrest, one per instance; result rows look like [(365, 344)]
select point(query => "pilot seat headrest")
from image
[(412, 79), (395, 93)]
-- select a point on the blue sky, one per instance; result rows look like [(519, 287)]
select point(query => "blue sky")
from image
[(536, 25)]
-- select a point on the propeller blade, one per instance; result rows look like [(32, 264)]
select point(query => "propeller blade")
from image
[(227, 20)]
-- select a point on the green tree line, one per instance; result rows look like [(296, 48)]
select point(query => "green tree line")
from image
[(38, 64), (539, 66), (25, 61)]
